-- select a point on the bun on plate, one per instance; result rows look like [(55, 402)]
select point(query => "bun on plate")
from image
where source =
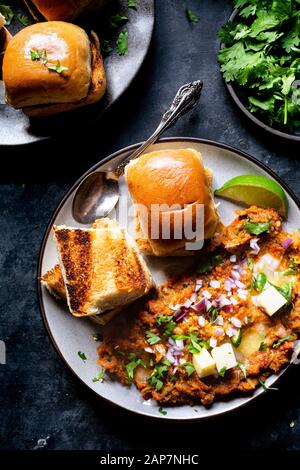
[(101, 267), (172, 178), (53, 67), (50, 10)]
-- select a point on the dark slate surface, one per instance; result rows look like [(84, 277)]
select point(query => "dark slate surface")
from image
[(39, 396)]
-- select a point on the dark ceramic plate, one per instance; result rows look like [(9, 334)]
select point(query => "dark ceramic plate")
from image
[(18, 129), (240, 100)]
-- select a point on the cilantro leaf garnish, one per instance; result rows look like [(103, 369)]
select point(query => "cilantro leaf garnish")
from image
[(162, 411), (99, 377), (131, 4), (122, 42), (222, 371), (189, 368), (208, 263), (132, 365), (257, 228), (82, 356), (117, 20), (260, 53), (7, 12), (156, 379), (163, 319), (23, 19), (152, 338), (58, 68), (266, 387), (192, 18), (243, 368), (259, 281), (282, 340), (105, 46)]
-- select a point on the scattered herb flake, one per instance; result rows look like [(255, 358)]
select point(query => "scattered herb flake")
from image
[(250, 263), (222, 371), (131, 4), (243, 368), (266, 387), (152, 338), (97, 337), (192, 17), (23, 19), (99, 377), (189, 368), (164, 319), (282, 340), (122, 42), (132, 365), (58, 68), (7, 12), (162, 411), (115, 21), (257, 228), (259, 281), (208, 263), (156, 379), (105, 46), (82, 356)]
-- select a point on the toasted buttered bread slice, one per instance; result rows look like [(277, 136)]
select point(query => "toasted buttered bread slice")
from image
[(96, 90), (53, 281), (101, 267)]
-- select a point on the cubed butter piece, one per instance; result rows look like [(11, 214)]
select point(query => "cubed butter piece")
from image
[(271, 300), (224, 357), (204, 363)]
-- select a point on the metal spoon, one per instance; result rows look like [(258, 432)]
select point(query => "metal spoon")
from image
[(98, 193)]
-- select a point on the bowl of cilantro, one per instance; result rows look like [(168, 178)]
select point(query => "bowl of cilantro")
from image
[(260, 63)]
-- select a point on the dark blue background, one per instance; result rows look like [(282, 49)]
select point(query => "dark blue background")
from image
[(39, 396)]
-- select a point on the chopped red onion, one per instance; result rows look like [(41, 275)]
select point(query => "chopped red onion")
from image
[(187, 303), (181, 313), (222, 301), (240, 284), (213, 342), (230, 332), (254, 299), (175, 307), (229, 284), (193, 297), (208, 305), (214, 284), (197, 288), (148, 350), (199, 306), (246, 320), (219, 320), (233, 301), (175, 370), (233, 258), (170, 357), (236, 322), (254, 246), (179, 344), (242, 294), (228, 308), (214, 303), (235, 275), (199, 282), (201, 320), (206, 294), (219, 331), (287, 243)]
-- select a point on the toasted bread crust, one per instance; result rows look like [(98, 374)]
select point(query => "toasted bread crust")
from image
[(53, 280), (77, 264)]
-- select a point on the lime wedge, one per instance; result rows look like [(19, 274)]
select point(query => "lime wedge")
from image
[(255, 190)]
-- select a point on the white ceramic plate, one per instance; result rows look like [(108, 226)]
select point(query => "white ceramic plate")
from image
[(70, 335)]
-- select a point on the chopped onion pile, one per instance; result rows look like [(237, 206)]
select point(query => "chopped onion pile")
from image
[(254, 246), (287, 243)]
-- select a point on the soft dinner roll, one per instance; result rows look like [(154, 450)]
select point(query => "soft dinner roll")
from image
[(61, 9), (170, 177), (53, 67)]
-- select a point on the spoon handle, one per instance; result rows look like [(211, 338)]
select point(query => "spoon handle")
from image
[(185, 99)]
